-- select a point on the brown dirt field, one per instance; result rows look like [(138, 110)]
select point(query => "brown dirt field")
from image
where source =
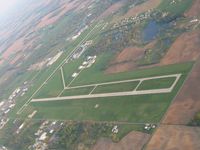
[(185, 48), (64, 7), (18, 46), (17, 57), (47, 20), (187, 102), (82, 5), (194, 10), (15, 47), (175, 138), (111, 9), (133, 141), (126, 59), (150, 4)]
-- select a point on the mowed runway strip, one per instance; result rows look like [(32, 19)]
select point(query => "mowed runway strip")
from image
[(126, 93)]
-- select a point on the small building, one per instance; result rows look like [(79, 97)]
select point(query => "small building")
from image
[(43, 136), (115, 129), (81, 67), (74, 74)]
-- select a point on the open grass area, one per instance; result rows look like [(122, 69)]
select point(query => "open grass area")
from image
[(77, 91), (146, 108), (52, 88), (119, 87), (157, 83), (70, 68), (176, 8), (142, 108)]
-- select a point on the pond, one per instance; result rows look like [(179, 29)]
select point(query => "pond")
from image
[(153, 29)]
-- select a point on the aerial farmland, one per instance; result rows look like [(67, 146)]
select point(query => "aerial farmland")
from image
[(95, 75)]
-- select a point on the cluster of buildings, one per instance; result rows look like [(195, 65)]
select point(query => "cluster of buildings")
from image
[(46, 62), (149, 126), (132, 20), (44, 134), (115, 129), (79, 51), (20, 91), (52, 60), (86, 64), (8, 104), (3, 148), (79, 33)]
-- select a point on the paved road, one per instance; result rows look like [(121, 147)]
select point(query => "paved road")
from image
[(104, 95)]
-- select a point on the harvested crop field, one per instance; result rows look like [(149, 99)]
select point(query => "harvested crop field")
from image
[(17, 46), (127, 59), (187, 102), (51, 18), (185, 48), (113, 8), (175, 138), (134, 140), (48, 19)]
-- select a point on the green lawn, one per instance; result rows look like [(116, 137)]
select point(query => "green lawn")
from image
[(157, 83), (146, 108), (52, 88), (70, 68), (177, 8), (142, 108), (77, 91), (119, 87)]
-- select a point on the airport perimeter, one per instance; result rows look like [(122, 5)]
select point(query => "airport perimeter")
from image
[(136, 96)]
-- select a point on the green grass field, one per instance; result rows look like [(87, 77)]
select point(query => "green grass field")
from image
[(157, 83), (119, 87), (77, 91), (142, 108), (70, 68), (147, 108), (177, 8), (44, 74), (51, 88)]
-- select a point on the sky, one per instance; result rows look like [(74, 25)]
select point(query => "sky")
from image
[(7, 6)]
